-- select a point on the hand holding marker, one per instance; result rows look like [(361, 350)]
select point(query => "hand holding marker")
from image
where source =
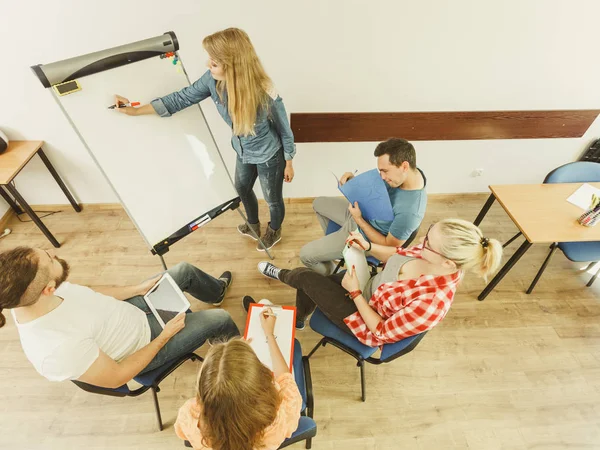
[(124, 105)]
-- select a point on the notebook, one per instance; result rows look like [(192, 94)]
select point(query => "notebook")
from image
[(285, 331), (355, 257), (370, 191)]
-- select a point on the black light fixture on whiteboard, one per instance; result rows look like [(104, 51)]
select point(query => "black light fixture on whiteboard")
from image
[(3, 142)]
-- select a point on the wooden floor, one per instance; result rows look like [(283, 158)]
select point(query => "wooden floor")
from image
[(512, 372)]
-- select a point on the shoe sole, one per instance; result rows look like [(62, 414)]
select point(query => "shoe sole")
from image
[(261, 249), (246, 234), (300, 329)]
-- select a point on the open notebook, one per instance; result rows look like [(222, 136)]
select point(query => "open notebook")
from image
[(285, 330)]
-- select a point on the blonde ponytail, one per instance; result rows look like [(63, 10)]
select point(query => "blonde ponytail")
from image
[(465, 244)]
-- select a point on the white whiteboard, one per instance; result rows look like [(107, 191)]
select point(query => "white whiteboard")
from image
[(166, 171)]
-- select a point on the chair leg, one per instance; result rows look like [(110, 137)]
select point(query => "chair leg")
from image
[(593, 278), (507, 243), (363, 387), (553, 248), (322, 342), (309, 443), (157, 408)]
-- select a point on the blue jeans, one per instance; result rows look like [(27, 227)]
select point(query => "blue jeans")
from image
[(271, 183), (199, 325)]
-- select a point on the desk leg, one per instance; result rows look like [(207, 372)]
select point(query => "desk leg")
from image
[(511, 262), (10, 201), (488, 204), (32, 214), (58, 180)]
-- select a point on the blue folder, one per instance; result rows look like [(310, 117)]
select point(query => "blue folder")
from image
[(370, 191)]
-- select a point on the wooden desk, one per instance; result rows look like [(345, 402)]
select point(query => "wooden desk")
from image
[(542, 214), (16, 156)]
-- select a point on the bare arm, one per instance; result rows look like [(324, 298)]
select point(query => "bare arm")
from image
[(130, 110), (375, 236), (106, 372), (267, 320), (381, 252)]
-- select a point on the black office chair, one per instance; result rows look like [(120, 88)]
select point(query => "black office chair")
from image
[(148, 380)]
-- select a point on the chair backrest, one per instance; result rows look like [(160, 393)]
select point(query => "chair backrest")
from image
[(575, 172), (411, 238), (400, 348), (118, 392)]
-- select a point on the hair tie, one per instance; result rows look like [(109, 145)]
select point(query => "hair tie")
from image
[(484, 242)]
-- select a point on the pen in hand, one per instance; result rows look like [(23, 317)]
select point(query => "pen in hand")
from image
[(124, 105)]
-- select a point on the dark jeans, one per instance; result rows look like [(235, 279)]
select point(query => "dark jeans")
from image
[(200, 325), (270, 174), (326, 292)]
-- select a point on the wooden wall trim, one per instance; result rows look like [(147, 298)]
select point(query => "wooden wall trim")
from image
[(440, 126)]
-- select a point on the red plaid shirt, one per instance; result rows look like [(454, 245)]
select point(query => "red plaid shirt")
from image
[(408, 307)]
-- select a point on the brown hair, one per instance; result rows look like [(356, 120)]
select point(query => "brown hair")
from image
[(237, 395), (398, 150), (18, 268), (246, 81)]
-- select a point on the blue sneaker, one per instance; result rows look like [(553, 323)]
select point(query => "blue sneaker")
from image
[(300, 325)]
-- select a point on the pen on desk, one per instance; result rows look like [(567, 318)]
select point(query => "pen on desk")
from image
[(124, 105)]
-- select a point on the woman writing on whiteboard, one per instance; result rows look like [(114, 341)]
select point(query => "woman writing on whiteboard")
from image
[(246, 99)]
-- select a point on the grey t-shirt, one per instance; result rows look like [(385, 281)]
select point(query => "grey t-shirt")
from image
[(389, 274)]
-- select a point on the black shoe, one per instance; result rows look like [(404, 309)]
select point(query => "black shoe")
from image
[(226, 278), (246, 301)]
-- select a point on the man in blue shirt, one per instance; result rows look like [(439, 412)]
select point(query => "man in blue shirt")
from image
[(397, 164)]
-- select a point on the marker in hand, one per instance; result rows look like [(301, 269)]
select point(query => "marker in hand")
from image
[(124, 105)]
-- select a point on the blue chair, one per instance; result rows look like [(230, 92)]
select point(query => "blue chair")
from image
[(148, 380), (373, 262), (575, 172), (307, 427), (352, 346)]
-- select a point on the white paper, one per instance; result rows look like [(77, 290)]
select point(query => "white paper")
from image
[(582, 197), (284, 331), (355, 257)]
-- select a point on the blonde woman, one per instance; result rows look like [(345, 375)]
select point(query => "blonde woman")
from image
[(240, 404), (410, 295), (246, 99)]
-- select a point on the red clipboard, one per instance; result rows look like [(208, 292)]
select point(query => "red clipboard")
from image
[(285, 330)]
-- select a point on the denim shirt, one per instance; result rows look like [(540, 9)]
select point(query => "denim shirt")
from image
[(272, 127)]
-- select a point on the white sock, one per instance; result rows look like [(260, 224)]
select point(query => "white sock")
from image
[(264, 301)]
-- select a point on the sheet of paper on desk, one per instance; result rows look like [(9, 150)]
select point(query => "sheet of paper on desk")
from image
[(285, 330), (355, 257), (582, 197)]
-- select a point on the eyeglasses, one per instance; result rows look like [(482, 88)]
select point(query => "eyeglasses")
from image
[(426, 241)]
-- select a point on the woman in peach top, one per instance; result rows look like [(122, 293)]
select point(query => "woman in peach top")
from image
[(240, 404)]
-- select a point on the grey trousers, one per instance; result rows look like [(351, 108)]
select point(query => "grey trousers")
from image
[(319, 255)]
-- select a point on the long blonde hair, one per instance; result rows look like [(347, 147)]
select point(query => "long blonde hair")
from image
[(237, 395), (246, 81), (465, 244)]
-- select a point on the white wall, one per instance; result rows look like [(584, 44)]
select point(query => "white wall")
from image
[(335, 55)]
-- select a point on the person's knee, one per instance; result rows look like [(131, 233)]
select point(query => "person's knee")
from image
[(307, 255), (183, 267), (319, 204), (225, 321)]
